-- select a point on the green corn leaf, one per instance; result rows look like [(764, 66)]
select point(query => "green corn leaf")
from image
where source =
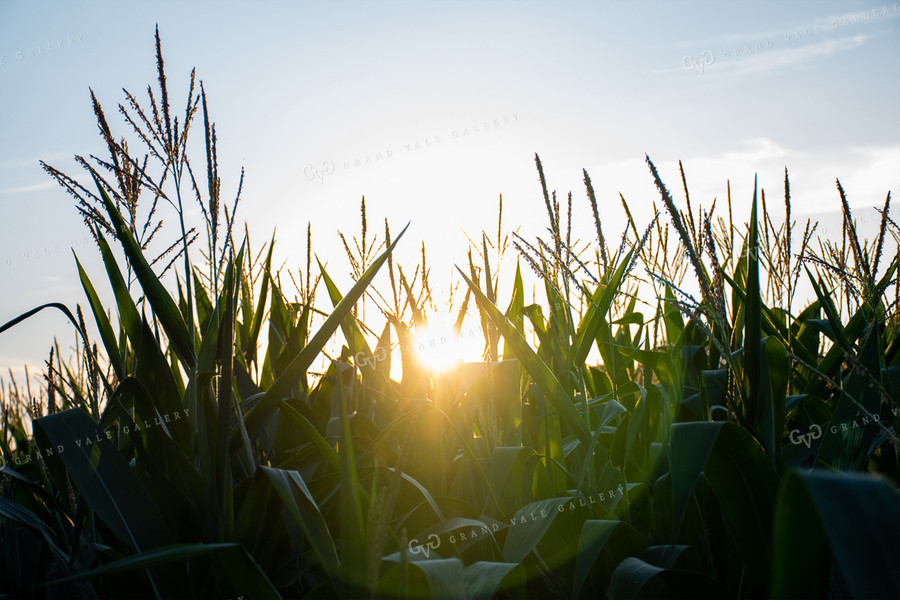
[(166, 310), (352, 541), (202, 302), (766, 402), (758, 415), (617, 539), (515, 311), (100, 317), (354, 336), (58, 306), (151, 365), (801, 565), (635, 578), (771, 324), (304, 511), (837, 328), (485, 579), (225, 407), (531, 524), (259, 313), (851, 522), (743, 479), (672, 319), (311, 434), (104, 479), (438, 578), (109, 486), (130, 395), (595, 315), (16, 512), (845, 444), (507, 473), (239, 567)]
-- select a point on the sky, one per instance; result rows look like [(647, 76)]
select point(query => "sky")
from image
[(431, 110)]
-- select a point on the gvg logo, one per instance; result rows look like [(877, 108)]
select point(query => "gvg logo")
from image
[(815, 432), (698, 64), (752, 252), (433, 543), (310, 172), (373, 359)]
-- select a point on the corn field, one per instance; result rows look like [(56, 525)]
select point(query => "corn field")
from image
[(246, 432)]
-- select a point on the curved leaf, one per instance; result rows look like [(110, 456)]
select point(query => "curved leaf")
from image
[(742, 477), (618, 539), (484, 579), (858, 516)]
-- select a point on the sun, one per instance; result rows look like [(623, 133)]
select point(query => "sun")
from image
[(439, 348)]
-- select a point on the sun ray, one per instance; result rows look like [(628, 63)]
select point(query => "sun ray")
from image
[(439, 348)]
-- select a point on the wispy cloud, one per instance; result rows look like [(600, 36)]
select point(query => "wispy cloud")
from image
[(766, 57), (800, 43), (781, 58), (25, 189), (756, 150), (804, 28), (33, 161)]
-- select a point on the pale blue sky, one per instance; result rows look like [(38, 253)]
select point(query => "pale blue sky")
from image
[(294, 86)]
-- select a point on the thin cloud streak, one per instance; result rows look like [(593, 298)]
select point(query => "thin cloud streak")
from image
[(26, 189), (789, 57), (825, 24), (764, 59), (33, 162)]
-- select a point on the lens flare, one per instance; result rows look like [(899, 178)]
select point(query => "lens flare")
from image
[(439, 348)]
